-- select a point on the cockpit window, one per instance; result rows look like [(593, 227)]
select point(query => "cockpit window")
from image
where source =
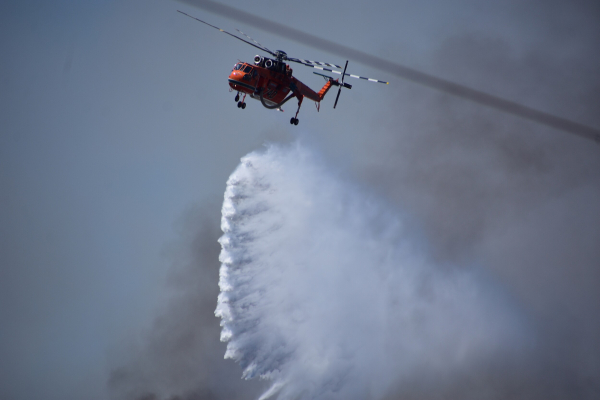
[(247, 69), (238, 66)]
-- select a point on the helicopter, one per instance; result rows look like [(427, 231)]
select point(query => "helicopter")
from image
[(271, 80)]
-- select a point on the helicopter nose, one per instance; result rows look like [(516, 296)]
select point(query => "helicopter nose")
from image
[(236, 80), (236, 75)]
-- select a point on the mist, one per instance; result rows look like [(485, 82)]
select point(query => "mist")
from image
[(328, 295)]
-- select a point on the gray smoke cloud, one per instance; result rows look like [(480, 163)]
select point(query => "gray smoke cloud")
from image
[(181, 357), (491, 190)]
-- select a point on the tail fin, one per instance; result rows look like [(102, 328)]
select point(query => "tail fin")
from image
[(330, 82), (325, 89)]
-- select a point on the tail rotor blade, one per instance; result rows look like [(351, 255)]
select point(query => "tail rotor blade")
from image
[(344, 73), (337, 97)]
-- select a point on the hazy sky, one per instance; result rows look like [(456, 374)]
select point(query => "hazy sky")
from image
[(118, 133)]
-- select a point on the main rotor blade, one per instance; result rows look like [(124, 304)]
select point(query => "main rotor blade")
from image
[(313, 63), (401, 71), (230, 34), (264, 47), (336, 72), (351, 75)]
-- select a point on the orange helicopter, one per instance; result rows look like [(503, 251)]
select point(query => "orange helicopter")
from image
[(270, 80)]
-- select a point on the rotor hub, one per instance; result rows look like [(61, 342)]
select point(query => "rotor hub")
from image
[(281, 55)]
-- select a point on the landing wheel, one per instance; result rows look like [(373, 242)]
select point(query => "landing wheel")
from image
[(239, 104), (237, 97), (243, 105), (294, 121)]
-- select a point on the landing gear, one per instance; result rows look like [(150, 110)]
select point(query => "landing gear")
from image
[(241, 104), (294, 121)]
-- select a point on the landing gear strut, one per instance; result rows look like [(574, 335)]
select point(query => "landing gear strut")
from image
[(294, 120)]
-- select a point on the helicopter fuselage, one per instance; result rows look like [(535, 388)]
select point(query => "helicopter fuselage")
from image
[(273, 81)]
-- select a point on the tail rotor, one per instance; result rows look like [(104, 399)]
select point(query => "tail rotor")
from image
[(341, 84)]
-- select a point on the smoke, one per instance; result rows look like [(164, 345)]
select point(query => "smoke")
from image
[(180, 357), (328, 295), (505, 195)]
